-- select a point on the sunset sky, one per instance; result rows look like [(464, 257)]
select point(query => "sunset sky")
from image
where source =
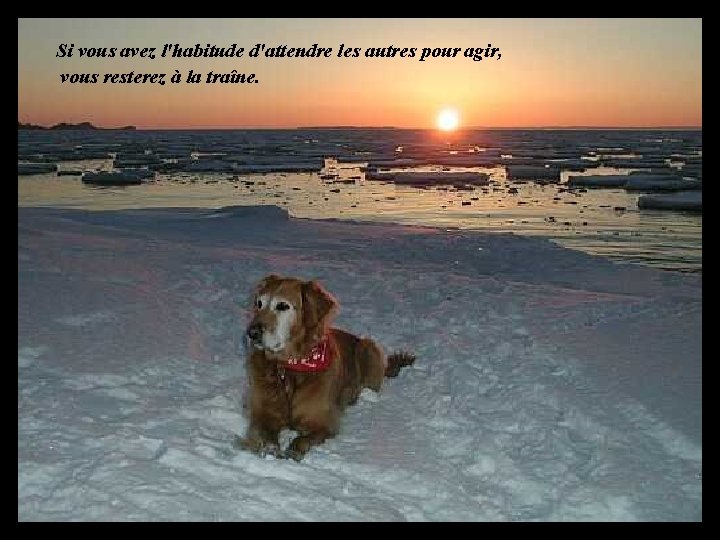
[(552, 72)]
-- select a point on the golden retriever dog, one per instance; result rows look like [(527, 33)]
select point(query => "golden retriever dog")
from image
[(303, 373)]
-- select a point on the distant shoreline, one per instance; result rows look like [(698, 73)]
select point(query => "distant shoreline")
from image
[(72, 127)]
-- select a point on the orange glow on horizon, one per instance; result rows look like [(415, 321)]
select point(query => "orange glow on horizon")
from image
[(543, 80)]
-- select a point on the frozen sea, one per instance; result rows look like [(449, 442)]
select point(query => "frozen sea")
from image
[(289, 168)]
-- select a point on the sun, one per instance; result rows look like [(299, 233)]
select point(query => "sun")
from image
[(448, 120)]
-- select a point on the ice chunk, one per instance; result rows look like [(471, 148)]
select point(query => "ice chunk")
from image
[(599, 180), (431, 177), (682, 200), (529, 172), (116, 178), (209, 166), (661, 183), (36, 168)]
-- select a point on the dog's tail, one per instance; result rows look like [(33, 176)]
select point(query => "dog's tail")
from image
[(398, 360)]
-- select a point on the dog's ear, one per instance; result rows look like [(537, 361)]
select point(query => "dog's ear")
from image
[(319, 307)]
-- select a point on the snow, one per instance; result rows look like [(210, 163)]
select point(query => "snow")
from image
[(550, 385)]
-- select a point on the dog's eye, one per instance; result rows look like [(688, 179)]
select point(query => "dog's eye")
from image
[(258, 303), (282, 306)]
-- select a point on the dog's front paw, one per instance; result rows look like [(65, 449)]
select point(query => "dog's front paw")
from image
[(261, 448), (270, 449), (297, 448), (291, 453)]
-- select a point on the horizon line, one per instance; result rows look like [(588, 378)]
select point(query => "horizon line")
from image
[(340, 127)]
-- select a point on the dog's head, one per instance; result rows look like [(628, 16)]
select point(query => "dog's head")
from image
[(289, 316)]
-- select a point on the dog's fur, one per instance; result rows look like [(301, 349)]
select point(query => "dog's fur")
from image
[(290, 316)]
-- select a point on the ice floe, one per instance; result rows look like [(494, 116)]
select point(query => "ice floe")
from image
[(681, 200)]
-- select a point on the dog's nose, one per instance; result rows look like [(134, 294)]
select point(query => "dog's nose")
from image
[(255, 331)]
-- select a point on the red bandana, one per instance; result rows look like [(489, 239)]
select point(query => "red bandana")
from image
[(319, 359)]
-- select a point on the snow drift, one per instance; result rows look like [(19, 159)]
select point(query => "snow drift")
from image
[(550, 385)]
